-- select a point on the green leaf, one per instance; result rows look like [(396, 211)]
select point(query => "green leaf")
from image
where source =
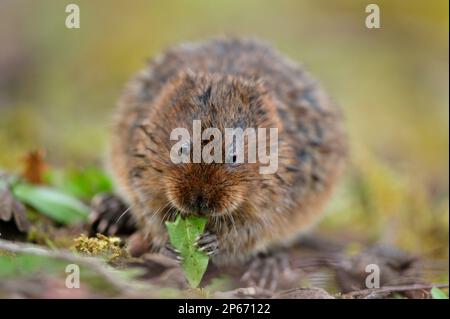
[(24, 264), (437, 293), (182, 234), (52, 203), (81, 183)]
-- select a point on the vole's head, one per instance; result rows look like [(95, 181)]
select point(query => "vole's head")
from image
[(204, 173)]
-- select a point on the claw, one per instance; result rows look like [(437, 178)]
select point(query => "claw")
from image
[(172, 252), (110, 216), (208, 247), (208, 243)]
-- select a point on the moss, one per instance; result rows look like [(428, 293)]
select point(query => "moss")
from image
[(110, 248)]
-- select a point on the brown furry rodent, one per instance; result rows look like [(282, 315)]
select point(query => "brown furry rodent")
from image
[(227, 83)]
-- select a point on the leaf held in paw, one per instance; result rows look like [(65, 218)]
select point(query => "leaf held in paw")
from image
[(183, 233)]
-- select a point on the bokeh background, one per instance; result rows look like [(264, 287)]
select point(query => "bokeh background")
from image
[(58, 89)]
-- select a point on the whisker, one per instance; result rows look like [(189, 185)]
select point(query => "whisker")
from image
[(167, 214), (156, 213), (233, 223), (123, 214)]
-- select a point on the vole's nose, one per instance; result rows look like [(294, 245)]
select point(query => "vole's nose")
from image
[(199, 204)]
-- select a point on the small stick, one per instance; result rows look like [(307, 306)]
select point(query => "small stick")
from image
[(91, 262), (390, 289)]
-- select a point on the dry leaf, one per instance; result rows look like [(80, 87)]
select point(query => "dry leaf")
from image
[(34, 167), (12, 209)]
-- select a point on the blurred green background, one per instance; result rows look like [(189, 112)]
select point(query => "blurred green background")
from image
[(58, 89)]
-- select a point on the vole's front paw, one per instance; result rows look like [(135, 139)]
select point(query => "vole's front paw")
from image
[(265, 270), (208, 243), (171, 252), (110, 216)]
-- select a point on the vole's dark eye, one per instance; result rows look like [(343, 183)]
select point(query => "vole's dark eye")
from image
[(232, 156), (231, 159), (184, 150)]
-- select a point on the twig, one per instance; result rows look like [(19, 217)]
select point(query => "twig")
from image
[(93, 263), (390, 289)]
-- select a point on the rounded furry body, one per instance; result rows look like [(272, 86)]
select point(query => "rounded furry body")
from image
[(227, 83)]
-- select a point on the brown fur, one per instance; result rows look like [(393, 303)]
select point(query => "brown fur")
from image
[(227, 83)]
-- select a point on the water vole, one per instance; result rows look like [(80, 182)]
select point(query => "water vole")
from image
[(227, 83)]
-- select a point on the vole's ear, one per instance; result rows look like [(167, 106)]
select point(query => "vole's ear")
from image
[(252, 93), (205, 93), (256, 96), (187, 77), (199, 84), (261, 86), (190, 74), (179, 86)]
